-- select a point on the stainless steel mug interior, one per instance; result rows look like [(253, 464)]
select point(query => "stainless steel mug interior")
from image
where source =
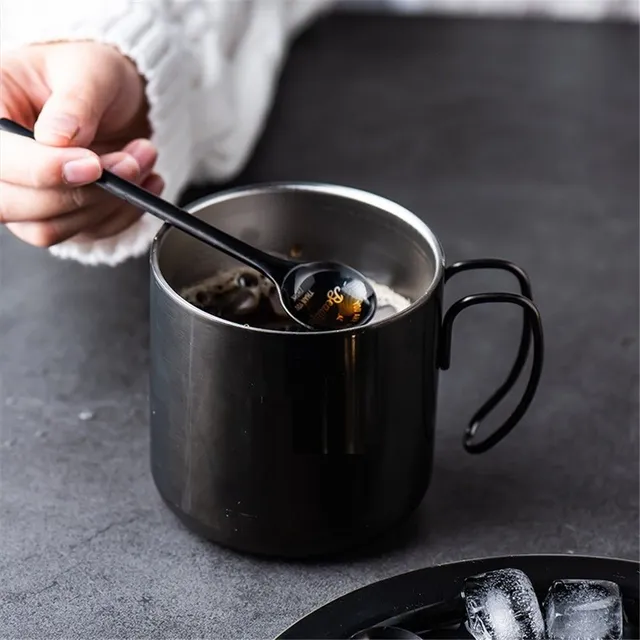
[(299, 444)]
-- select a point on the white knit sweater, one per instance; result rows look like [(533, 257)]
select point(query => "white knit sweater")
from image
[(210, 66)]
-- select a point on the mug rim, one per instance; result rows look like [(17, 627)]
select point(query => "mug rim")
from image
[(348, 193)]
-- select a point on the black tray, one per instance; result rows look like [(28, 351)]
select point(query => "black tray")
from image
[(427, 598)]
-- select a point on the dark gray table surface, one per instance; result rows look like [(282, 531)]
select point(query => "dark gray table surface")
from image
[(517, 140)]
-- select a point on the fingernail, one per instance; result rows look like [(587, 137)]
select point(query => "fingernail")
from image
[(82, 171), (62, 125), (126, 167), (144, 152), (155, 184)]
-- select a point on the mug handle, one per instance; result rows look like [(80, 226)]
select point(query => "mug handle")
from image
[(532, 326)]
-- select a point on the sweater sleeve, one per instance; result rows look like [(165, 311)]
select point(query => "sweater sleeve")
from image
[(211, 68)]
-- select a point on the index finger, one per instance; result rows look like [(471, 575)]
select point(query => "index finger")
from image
[(28, 163)]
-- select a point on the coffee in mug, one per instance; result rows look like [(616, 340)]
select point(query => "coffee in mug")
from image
[(245, 296)]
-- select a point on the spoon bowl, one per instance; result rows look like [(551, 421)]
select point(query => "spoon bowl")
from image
[(327, 295)]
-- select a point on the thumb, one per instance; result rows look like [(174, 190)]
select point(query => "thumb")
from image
[(80, 95)]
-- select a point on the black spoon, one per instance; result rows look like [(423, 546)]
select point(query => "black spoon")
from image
[(318, 295)]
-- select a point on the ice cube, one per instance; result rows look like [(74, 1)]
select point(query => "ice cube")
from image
[(583, 610), (502, 605)]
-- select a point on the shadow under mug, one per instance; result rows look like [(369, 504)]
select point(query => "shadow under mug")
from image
[(296, 444)]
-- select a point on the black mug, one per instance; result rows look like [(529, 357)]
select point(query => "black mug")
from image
[(297, 443)]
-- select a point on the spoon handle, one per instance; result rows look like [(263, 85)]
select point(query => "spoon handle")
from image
[(275, 268)]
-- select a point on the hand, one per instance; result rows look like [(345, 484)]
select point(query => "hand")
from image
[(86, 103)]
